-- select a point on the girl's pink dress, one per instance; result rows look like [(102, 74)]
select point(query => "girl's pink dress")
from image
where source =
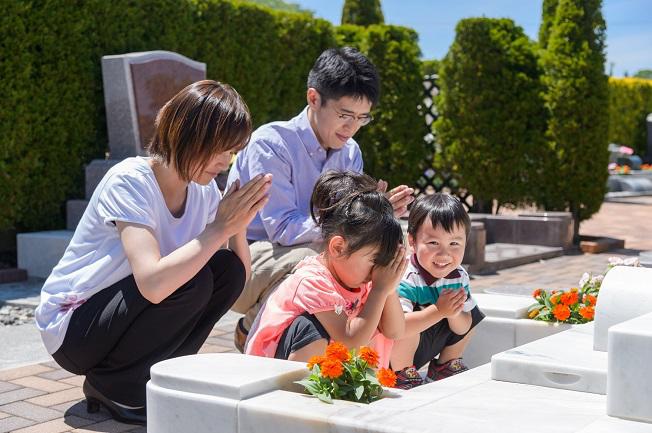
[(312, 289)]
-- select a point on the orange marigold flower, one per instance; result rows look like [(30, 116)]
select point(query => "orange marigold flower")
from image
[(386, 377), (331, 368), (337, 350), (569, 298), (554, 298), (537, 293), (574, 289), (368, 355), (561, 312), (590, 300), (315, 360), (587, 312)]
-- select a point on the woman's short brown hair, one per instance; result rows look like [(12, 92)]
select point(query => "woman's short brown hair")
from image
[(205, 118)]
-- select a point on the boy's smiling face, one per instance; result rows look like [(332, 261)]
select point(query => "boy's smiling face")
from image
[(439, 252)]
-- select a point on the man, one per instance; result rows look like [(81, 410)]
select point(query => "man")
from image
[(343, 86)]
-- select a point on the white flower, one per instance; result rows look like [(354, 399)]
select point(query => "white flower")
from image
[(597, 280), (586, 277), (615, 261), (631, 261), (338, 309)]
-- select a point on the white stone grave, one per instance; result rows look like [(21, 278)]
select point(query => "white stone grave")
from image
[(237, 393), (577, 358)]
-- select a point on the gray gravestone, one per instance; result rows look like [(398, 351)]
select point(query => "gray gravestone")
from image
[(136, 85)]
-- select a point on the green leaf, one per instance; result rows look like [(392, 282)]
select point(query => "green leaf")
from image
[(325, 398), (533, 307), (359, 391)]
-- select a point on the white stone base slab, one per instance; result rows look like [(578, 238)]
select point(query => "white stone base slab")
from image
[(505, 327), (630, 382), (233, 393), (39, 252), (565, 360), (607, 424)]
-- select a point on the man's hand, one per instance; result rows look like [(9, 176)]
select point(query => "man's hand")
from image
[(400, 197)]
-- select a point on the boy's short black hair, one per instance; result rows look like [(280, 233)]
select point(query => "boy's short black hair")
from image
[(443, 210), (339, 72)]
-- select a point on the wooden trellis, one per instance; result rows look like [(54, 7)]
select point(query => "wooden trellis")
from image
[(431, 180)]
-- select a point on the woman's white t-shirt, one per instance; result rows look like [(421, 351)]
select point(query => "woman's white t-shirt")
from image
[(95, 258)]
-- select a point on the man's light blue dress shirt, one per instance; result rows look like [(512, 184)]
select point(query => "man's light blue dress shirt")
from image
[(290, 151)]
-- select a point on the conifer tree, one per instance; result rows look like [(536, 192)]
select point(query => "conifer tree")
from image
[(362, 12)]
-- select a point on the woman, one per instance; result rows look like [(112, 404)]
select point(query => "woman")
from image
[(146, 275)]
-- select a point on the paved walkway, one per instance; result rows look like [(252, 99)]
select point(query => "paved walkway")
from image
[(42, 398)]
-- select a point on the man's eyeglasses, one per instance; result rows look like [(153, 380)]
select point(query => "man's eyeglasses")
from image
[(350, 118)]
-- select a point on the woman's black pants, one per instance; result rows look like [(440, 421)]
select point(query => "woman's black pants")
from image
[(117, 335)]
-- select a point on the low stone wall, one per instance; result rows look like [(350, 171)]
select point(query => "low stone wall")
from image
[(553, 229)]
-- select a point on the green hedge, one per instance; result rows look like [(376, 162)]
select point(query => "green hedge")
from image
[(392, 145), (491, 120), (52, 118), (630, 101), (52, 115)]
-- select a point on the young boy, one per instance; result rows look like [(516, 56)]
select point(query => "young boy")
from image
[(435, 294)]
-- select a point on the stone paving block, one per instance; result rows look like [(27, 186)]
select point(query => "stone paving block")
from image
[(109, 426), (78, 408), (13, 422), (57, 374), (7, 386), (28, 370), (19, 394), (4, 415), (30, 411), (56, 426), (74, 380), (58, 397), (46, 385)]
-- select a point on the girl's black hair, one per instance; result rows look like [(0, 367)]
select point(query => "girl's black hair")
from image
[(443, 210), (347, 204)]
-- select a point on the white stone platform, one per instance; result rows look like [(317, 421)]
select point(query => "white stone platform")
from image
[(39, 252), (233, 393), (505, 326), (565, 360)]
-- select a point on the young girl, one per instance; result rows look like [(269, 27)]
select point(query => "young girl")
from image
[(347, 293), (145, 277)]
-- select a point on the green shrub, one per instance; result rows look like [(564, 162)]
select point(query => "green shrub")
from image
[(491, 115), (392, 145), (429, 67), (576, 97), (52, 116), (630, 101), (362, 12)]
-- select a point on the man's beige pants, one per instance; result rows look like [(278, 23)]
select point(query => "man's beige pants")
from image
[(270, 265)]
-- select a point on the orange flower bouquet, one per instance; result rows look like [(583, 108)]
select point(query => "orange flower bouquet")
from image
[(576, 305), (572, 306), (347, 375)]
